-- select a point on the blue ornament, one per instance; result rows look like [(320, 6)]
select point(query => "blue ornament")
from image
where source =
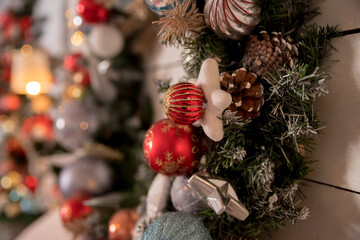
[(176, 226), (157, 6)]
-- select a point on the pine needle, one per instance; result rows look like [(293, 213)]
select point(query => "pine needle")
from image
[(184, 18)]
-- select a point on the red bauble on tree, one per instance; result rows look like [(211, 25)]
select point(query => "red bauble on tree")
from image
[(9, 103), (91, 11), (5, 63), (172, 149), (39, 128), (122, 223), (25, 24), (183, 103), (72, 62), (73, 213)]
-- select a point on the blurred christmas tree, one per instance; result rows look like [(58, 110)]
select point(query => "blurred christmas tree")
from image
[(72, 128)]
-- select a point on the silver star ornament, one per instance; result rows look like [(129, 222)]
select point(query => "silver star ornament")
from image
[(220, 195)]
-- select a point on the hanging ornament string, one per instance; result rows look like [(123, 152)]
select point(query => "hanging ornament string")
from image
[(332, 186)]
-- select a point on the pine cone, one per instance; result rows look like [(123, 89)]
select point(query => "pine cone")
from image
[(264, 53), (246, 92)]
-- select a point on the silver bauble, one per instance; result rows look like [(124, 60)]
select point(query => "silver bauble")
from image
[(232, 19), (88, 175), (75, 124), (184, 198)]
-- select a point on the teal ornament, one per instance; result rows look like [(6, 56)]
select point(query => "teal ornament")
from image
[(157, 6), (176, 226)]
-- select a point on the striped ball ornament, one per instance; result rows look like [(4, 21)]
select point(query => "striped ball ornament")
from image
[(232, 19), (183, 103)]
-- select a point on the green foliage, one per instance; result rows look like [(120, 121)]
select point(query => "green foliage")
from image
[(26, 9), (265, 178), (208, 44), (315, 45), (263, 158), (286, 16), (163, 85)]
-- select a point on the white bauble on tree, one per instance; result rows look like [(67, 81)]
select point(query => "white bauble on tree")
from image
[(106, 41)]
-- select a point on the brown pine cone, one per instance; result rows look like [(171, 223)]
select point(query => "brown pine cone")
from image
[(266, 52), (246, 92)]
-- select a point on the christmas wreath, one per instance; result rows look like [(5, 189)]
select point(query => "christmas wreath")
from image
[(253, 70)]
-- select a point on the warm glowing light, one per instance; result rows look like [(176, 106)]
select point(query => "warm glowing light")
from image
[(84, 125), (60, 123), (112, 228), (33, 88), (70, 13), (5, 182), (15, 178), (71, 25), (77, 38), (65, 211), (8, 126), (30, 74), (22, 190), (77, 21), (78, 77), (40, 104), (74, 91), (26, 50)]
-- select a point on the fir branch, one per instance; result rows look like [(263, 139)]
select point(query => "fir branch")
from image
[(286, 16), (291, 95), (182, 19), (162, 84), (315, 45), (265, 179), (208, 44)]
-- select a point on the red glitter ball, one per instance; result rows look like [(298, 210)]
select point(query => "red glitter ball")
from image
[(184, 103), (172, 149), (73, 214), (71, 62)]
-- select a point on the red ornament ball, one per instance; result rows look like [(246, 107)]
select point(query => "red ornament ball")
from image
[(39, 128), (72, 62), (172, 149), (73, 213), (9, 103), (183, 103), (122, 223), (31, 182), (25, 24), (91, 11)]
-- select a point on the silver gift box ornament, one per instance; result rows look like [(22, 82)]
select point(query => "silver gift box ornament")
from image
[(219, 194)]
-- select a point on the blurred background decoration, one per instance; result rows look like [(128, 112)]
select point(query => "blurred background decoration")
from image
[(73, 111)]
